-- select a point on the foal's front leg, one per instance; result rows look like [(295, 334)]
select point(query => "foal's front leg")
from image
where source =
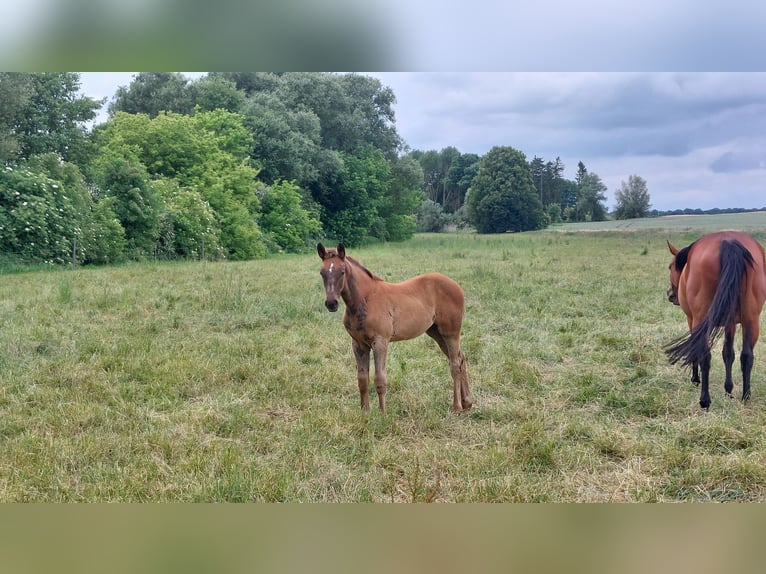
[(362, 355)]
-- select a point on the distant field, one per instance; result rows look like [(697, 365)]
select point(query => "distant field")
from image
[(230, 381), (743, 221)]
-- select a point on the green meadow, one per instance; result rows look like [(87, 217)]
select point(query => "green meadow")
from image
[(229, 381)]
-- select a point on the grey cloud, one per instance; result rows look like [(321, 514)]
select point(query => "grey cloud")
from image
[(731, 162)]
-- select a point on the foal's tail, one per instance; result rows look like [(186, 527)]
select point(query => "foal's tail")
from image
[(692, 347)]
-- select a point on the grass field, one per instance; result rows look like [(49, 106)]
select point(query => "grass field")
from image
[(221, 381)]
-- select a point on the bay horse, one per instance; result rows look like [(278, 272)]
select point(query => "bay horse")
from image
[(719, 281), (378, 312)]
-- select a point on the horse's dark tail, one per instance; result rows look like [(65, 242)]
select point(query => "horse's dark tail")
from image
[(692, 347)]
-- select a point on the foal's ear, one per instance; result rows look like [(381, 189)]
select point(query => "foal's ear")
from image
[(321, 251), (673, 250), (341, 250)]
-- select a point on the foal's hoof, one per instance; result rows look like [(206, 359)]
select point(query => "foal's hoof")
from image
[(457, 409)]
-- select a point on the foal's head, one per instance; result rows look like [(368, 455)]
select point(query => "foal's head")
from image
[(334, 272)]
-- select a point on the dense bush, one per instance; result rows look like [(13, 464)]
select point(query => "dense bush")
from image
[(284, 221)]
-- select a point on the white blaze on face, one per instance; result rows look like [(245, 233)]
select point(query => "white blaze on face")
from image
[(332, 266)]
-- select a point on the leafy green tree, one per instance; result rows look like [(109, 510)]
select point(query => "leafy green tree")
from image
[(632, 199), (153, 92), (436, 166), (353, 110), (537, 169), (103, 238), (286, 142), (590, 196), (207, 153), (503, 196), (431, 217), (251, 82), (460, 174), (15, 92), (582, 171), (226, 130), (54, 118), (399, 203), (136, 204), (554, 212), (306, 125), (283, 219), (188, 225), (548, 180), (351, 206), (211, 93)]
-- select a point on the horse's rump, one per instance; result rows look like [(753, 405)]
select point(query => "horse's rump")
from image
[(724, 292), (438, 289)]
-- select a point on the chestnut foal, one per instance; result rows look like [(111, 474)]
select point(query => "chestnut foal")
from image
[(378, 312)]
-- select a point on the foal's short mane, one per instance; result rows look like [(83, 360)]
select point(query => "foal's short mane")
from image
[(363, 268)]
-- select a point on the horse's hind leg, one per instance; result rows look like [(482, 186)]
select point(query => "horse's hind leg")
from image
[(461, 394), (749, 338), (362, 355), (695, 365), (705, 376), (728, 356), (695, 373)]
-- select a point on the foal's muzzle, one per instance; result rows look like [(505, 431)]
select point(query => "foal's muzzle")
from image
[(672, 297), (332, 306)]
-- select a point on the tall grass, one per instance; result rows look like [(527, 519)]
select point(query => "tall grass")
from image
[(216, 381)]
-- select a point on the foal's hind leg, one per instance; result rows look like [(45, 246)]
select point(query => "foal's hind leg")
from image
[(461, 394), (728, 357)]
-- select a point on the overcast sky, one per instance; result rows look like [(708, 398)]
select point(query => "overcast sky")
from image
[(698, 139)]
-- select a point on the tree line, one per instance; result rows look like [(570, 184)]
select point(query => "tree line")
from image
[(238, 165)]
